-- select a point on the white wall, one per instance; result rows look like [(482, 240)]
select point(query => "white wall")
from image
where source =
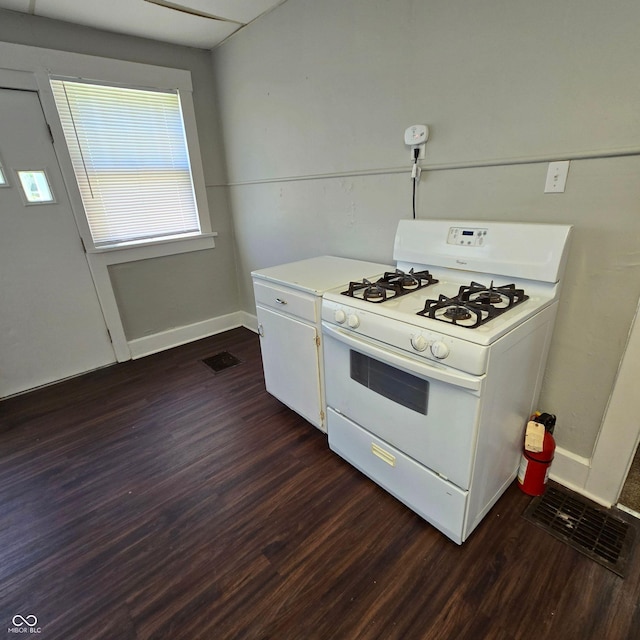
[(314, 99)]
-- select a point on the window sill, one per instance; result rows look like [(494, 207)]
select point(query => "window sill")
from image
[(131, 252)]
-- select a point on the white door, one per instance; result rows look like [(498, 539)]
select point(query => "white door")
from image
[(51, 324)]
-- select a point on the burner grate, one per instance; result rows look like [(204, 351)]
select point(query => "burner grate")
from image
[(591, 530), (392, 284), (474, 304), (221, 361)]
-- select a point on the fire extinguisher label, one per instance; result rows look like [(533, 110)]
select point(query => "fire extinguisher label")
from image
[(534, 437), (522, 470)]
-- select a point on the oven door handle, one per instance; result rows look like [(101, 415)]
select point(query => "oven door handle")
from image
[(420, 368)]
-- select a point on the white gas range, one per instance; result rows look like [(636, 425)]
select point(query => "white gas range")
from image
[(433, 370)]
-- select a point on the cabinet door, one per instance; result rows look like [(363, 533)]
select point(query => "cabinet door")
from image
[(290, 357)]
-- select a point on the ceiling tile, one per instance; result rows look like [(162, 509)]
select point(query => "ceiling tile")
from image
[(149, 20)]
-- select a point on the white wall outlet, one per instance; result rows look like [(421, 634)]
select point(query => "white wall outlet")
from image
[(556, 177)]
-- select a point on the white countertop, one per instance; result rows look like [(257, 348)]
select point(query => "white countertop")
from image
[(317, 275)]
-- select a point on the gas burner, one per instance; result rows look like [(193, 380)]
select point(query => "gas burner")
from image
[(391, 285), (474, 305), (457, 313), (489, 297), (409, 281), (378, 291), (502, 297)]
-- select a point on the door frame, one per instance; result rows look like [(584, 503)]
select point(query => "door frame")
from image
[(620, 432)]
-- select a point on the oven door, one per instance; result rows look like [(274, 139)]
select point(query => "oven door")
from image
[(426, 410)]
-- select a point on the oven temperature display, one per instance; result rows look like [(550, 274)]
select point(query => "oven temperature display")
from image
[(468, 237)]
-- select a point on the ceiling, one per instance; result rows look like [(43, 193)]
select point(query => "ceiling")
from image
[(194, 23)]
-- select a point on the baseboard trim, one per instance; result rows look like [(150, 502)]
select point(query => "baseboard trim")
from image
[(569, 468), (572, 471), (163, 340), (250, 321)]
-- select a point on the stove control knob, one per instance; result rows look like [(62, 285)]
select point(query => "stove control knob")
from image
[(353, 321), (440, 350), (419, 343), (340, 316)]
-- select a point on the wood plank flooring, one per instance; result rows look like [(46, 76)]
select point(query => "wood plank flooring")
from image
[(157, 500)]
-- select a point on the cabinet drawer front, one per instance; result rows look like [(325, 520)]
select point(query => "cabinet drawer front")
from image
[(436, 500), (286, 300)]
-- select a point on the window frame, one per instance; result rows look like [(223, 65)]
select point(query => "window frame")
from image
[(94, 246), (4, 180), (136, 76)]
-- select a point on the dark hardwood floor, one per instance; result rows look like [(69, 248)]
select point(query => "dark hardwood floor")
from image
[(156, 499)]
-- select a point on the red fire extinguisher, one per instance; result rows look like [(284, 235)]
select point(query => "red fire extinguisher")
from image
[(537, 454)]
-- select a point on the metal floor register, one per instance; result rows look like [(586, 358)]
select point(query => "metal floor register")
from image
[(591, 530)]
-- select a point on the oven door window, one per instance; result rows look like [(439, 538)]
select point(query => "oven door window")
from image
[(400, 387)]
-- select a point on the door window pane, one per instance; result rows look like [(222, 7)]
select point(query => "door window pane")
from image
[(35, 187)]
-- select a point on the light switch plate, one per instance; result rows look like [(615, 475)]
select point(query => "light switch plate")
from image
[(556, 177)]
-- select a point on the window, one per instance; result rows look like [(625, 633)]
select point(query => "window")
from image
[(129, 153)]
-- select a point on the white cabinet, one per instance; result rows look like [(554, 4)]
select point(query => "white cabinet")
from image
[(288, 307), (291, 360)]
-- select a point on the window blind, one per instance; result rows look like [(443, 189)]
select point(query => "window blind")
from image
[(130, 157)]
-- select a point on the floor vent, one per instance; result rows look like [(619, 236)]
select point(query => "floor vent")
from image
[(592, 530), (221, 361)]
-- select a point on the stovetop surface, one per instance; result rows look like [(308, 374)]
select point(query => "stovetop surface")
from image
[(405, 308)]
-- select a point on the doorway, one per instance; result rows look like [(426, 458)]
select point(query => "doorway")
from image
[(51, 323)]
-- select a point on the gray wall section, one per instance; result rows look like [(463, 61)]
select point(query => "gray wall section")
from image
[(318, 88), (205, 285)]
